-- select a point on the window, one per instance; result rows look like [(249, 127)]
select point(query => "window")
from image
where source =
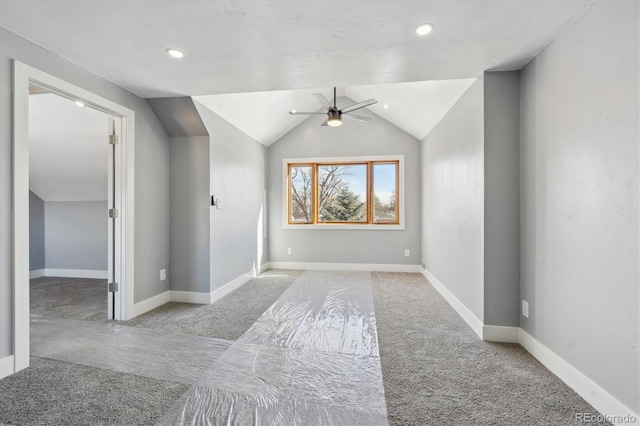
[(346, 192)]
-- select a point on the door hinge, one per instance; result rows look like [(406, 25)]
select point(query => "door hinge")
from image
[(113, 139), (113, 213), (113, 287)]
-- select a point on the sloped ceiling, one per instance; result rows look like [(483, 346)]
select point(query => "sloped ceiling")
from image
[(414, 107), (68, 150)]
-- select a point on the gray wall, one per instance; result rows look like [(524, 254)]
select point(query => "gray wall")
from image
[(76, 235), (151, 173), (501, 198), (453, 200), (190, 261), (237, 178), (377, 137), (36, 232), (579, 197)]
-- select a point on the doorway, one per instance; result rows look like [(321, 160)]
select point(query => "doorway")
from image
[(69, 199), (120, 199)]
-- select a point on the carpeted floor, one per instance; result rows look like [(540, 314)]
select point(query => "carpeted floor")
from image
[(437, 372), (72, 298), (60, 393), (435, 369), (226, 319)]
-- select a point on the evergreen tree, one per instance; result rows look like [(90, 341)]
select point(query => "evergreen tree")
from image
[(345, 207)]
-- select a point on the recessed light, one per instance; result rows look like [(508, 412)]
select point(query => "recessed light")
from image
[(80, 104), (293, 111), (424, 29), (385, 106), (175, 53)]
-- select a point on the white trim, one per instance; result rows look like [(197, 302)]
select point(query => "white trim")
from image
[(264, 267), (76, 273), (595, 395), (150, 303), (319, 266), (23, 75), (475, 324), (498, 333), (227, 288), (378, 227), (37, 273), (6, 366), (190, 297)]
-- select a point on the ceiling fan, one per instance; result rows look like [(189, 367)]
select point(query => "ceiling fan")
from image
[(335, 115)]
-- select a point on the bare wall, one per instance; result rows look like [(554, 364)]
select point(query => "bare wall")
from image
[(76, 235), (453, 200), (352, 139), (190, 260), (579, 197)]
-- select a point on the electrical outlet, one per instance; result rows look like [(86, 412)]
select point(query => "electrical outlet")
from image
[(289, 251), (163, 274), (525, 309), (407, 252)]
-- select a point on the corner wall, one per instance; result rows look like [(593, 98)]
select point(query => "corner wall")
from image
[(238, 180), (579, 197)]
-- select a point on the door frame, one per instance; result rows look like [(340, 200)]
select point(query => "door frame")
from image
[(23, 75)]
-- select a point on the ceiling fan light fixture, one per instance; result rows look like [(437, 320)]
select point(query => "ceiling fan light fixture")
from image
[(334, 122), (334, 119)]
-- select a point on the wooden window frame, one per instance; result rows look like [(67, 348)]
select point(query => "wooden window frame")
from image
[(370, 201)]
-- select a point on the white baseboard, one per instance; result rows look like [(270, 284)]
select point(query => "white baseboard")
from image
[(76, 273), (595, 395), (600, 399), (6, 366), (227, 288), (264, 267), (498, 333), (37, 273), (319, 266), (476, 325), (190, 297), (150, 303)]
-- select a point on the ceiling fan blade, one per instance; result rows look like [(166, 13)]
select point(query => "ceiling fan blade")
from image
[(325, 122), (305, 113), (358, 105), (320, 97), (355, 117)]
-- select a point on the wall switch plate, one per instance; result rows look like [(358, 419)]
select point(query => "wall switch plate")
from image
[(407, 252), (525, 309), (289, 251), (163, 274)]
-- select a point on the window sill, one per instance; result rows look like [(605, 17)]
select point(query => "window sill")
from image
[(347, 226)]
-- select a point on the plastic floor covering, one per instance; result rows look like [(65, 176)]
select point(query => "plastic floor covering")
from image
[(311, 358)]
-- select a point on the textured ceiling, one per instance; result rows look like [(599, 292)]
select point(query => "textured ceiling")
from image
[(68, 150), (261, 45), (258, 51)]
